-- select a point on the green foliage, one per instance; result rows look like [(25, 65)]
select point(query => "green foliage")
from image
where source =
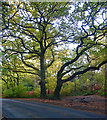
[(20, 92), (65, 93), (83, 92), (77, 93), (101, 93), (66, 89), (37, 92), (32, 95), (15, 92), (30, 39), (51, 97)]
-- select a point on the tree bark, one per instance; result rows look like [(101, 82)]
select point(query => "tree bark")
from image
[(42, 71), (75, 86), (58, 89), (17, 80)]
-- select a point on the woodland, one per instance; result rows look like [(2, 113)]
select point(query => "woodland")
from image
[(53, 49)]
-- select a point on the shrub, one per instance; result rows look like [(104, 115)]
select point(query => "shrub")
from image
[(77, 93), (97, 87), (101, 92), (30, 92), (83, 92), (37, 92), (51, 97), (15, 92), (8, 93), (65, 92)]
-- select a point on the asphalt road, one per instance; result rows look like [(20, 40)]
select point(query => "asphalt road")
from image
[(22, 109)]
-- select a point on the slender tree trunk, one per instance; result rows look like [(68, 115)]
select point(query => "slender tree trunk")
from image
[(17, 79), (75, 86), (7, 85), (42, 69), (6, 82), (14, 82), (58, 89), (48, 91)]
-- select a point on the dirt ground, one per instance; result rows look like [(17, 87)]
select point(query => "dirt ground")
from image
[(91, 103)]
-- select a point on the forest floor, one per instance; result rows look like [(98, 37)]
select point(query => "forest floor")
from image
[(90, 103)]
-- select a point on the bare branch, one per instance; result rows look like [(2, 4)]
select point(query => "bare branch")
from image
[(84, 71), (29, 65), (70, 70)]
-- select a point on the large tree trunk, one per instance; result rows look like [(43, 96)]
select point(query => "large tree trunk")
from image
[(58, 89), (42, 82)]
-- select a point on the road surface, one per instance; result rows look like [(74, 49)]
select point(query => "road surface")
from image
[(23, 109)]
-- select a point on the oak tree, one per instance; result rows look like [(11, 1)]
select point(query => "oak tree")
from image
[(90, 42)]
